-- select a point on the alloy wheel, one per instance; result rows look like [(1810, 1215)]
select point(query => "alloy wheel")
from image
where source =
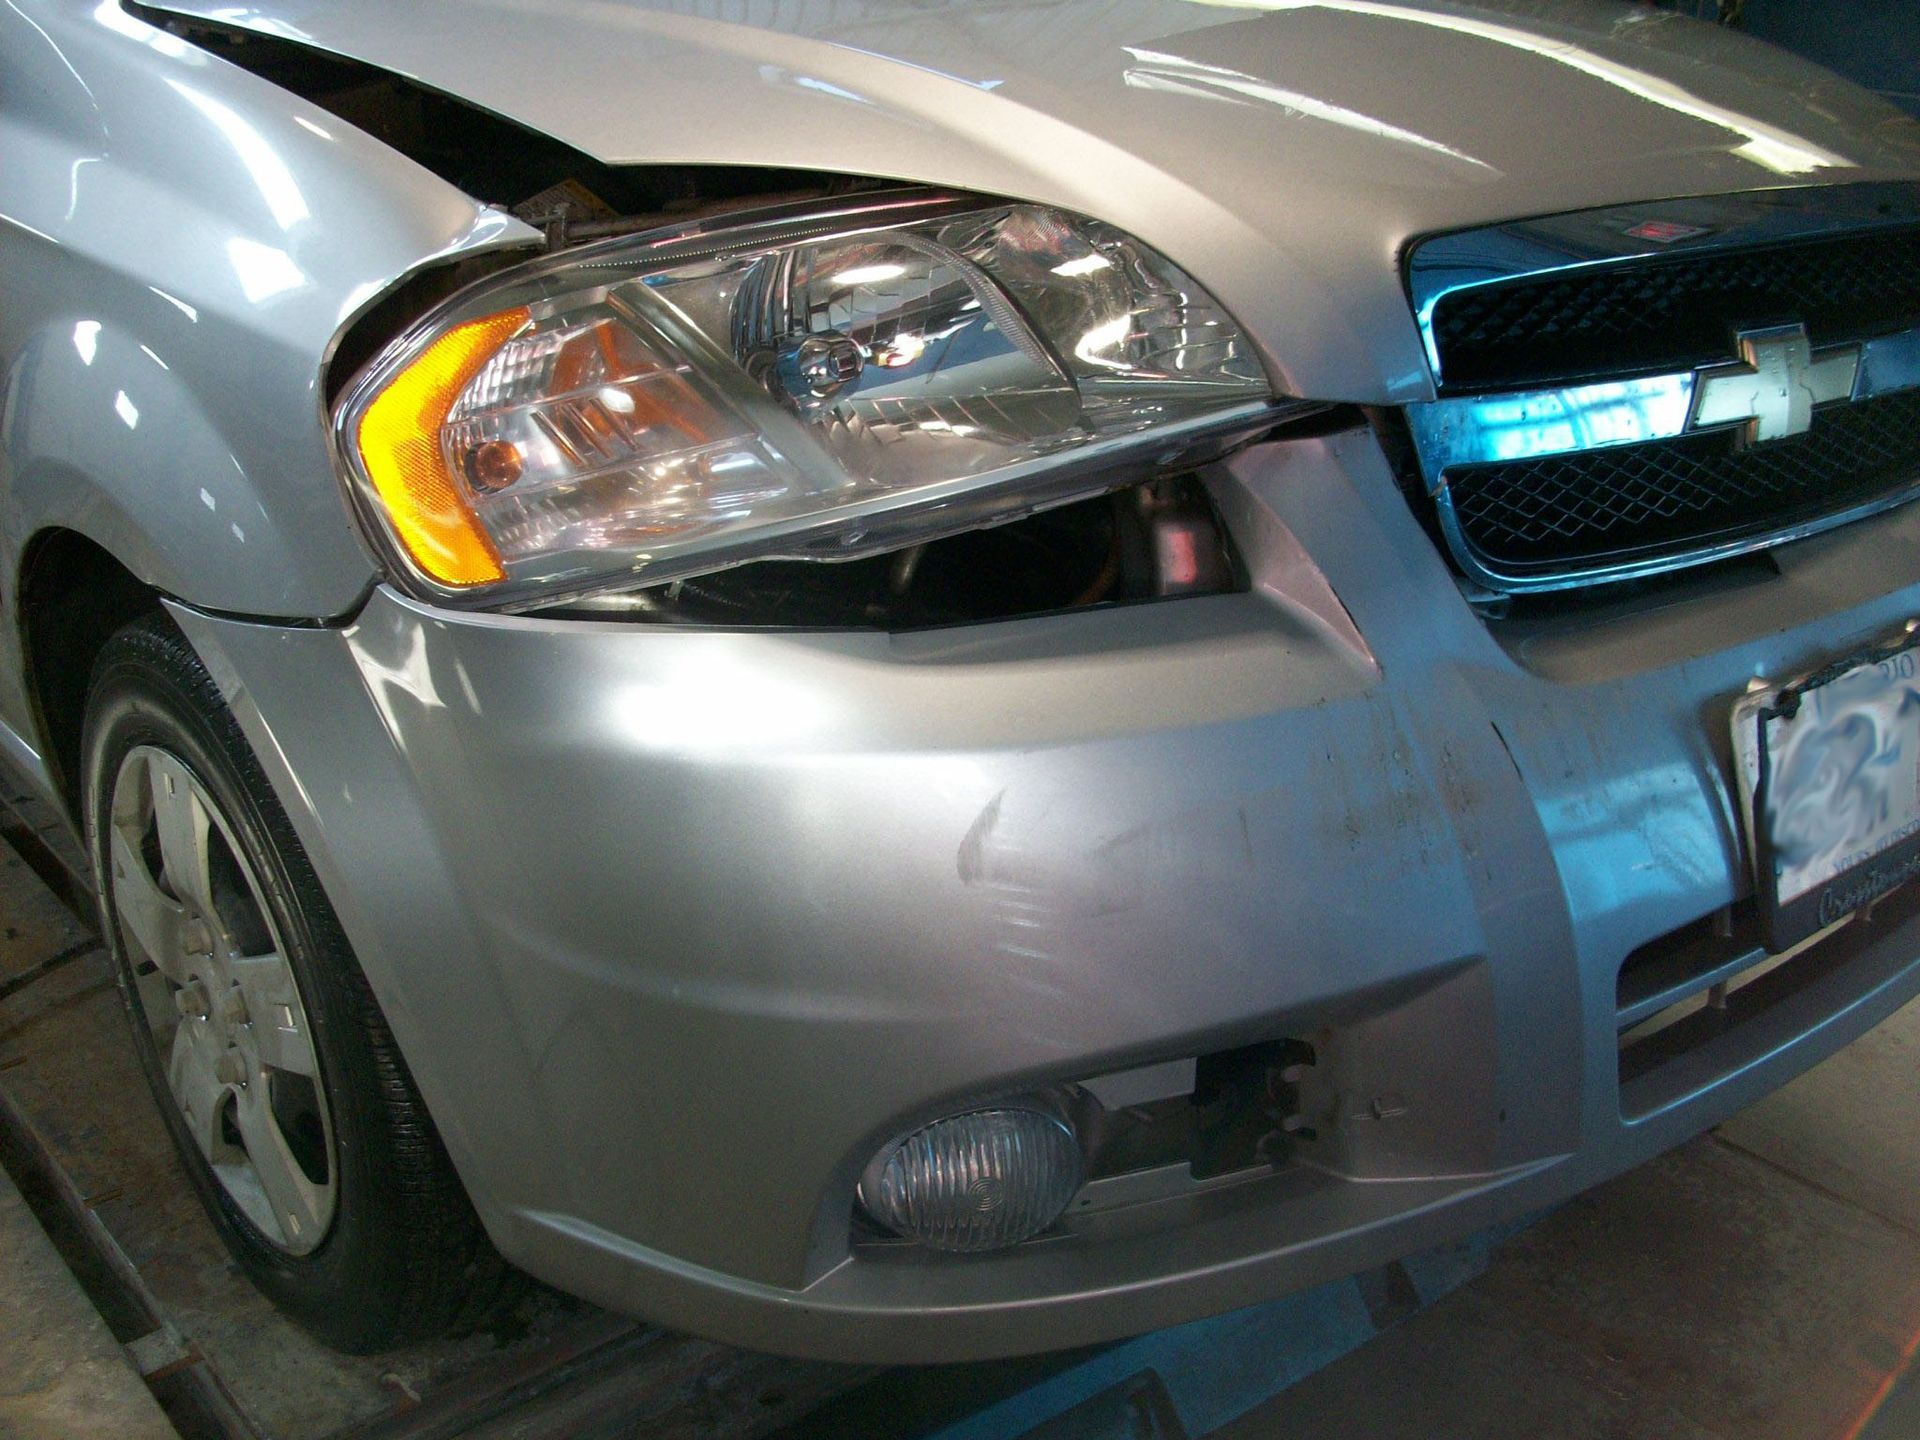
[(220, 998)]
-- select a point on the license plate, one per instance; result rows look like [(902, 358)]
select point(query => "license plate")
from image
[(1830, 783)]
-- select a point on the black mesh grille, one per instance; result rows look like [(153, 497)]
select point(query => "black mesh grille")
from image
[(1675, 312), (1568, 513)]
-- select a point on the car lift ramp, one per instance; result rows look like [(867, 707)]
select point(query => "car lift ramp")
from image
[(80, 1139)]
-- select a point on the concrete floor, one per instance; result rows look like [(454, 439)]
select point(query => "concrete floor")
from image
[(1760, 1283), (64, 1375)]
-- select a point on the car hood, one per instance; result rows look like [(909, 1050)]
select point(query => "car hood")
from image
[(1284, 151)]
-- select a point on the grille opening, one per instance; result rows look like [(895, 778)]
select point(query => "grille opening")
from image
[(1673, 312), (1589, 510), (1682, 992), (1581, 603), (1838, 265), (1686, 963)]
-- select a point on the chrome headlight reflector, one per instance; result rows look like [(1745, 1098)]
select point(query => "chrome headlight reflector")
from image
[(822, 385)]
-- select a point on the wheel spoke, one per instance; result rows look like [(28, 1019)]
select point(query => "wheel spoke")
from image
[(156, 1003), (154, 919), (182, 823), (198, 1093), (278, 1020), (299, 1205)]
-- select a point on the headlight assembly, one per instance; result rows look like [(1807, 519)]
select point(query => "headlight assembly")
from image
[(820, 385)]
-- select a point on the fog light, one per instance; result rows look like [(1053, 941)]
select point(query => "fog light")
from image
[(976, 1181)]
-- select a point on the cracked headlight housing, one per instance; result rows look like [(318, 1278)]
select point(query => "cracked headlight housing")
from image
[(812, 385)]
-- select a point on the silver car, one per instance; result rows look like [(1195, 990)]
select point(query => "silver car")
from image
[(906, 679)]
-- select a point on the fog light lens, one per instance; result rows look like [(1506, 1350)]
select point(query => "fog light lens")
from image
[(977, 1181)]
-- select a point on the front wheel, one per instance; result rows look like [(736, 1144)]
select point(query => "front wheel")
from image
[(296, 1120)]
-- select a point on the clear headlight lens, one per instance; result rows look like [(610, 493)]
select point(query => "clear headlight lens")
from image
[(827, 385)]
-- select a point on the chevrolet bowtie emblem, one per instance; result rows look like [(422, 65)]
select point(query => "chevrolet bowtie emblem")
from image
[(1776, 388)]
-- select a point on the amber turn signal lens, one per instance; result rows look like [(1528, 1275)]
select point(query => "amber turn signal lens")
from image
[(399, 440)]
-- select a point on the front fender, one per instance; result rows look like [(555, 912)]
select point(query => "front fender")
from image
[(182, 241), (104, 439)]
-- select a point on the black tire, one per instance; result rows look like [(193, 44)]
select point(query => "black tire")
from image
[(404, 1257)]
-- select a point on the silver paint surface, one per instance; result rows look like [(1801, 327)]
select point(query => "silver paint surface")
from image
[(180, 242), (768, 899), (1283, 151)]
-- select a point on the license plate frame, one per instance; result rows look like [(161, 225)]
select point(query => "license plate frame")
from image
[(1799, 898)]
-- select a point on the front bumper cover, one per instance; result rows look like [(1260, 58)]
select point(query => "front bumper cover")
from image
[(676, 927)]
